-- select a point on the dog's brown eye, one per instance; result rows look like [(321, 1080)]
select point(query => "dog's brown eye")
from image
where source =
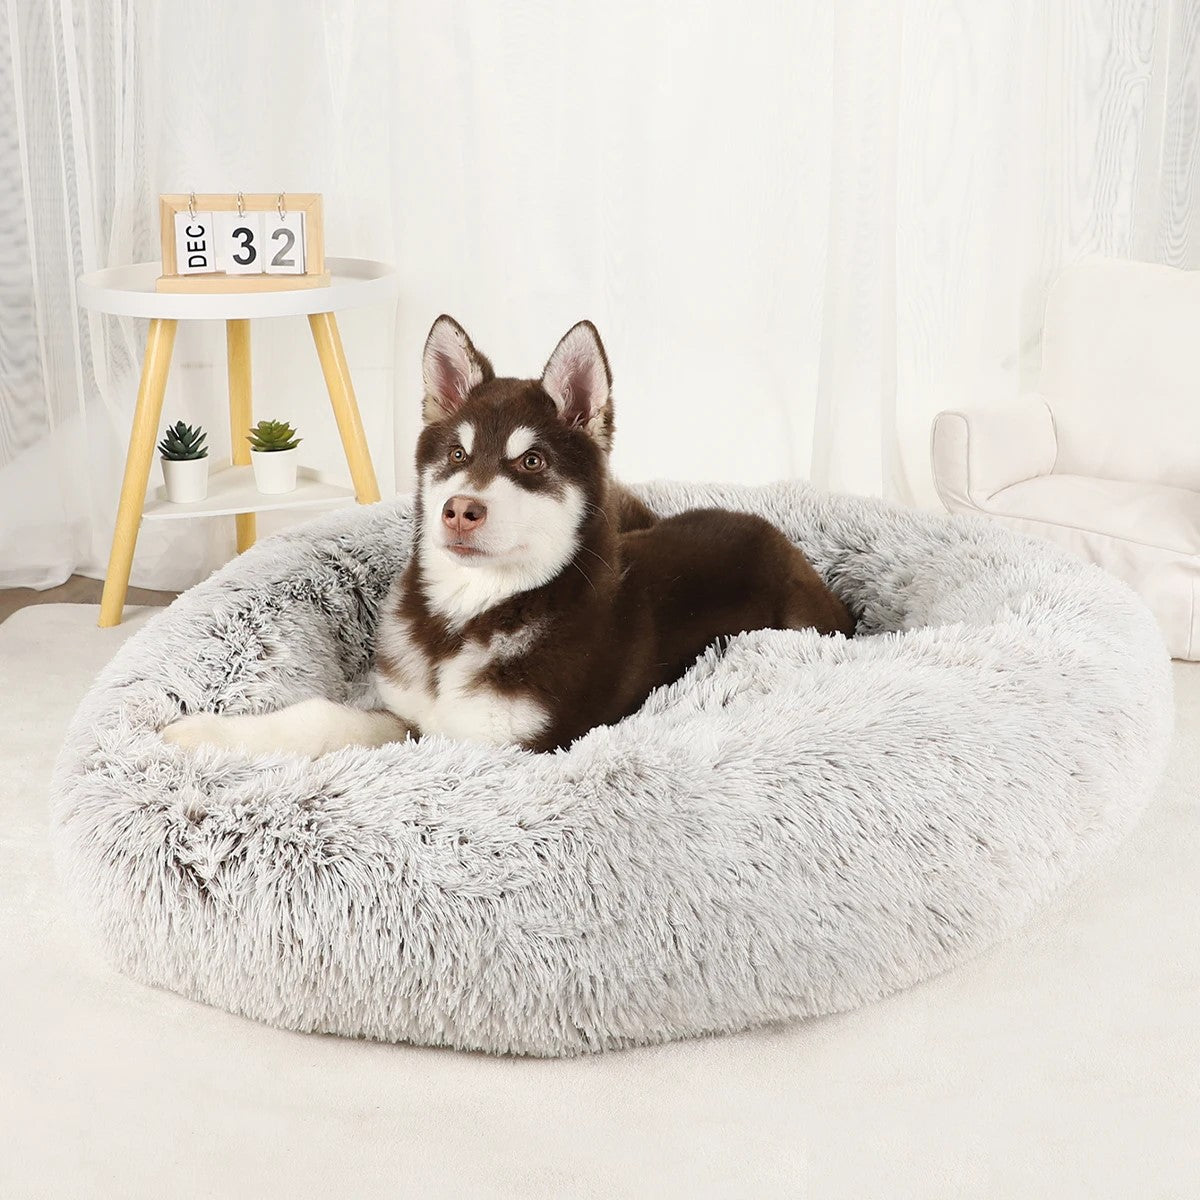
[(532, 461), (458, 455)]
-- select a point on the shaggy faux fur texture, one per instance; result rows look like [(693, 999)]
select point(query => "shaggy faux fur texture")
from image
[(800, 825)]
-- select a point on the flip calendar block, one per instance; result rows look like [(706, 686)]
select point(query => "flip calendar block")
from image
[(242, 242)]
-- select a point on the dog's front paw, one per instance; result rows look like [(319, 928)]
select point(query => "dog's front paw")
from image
[(201, 729)]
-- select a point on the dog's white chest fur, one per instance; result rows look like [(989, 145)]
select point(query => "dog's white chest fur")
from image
[(450, 697)]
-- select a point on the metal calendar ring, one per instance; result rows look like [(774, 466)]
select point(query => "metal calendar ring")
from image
[(192, 204), (279, 205), (241, 201)]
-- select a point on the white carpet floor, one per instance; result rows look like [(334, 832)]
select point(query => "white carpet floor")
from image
[(1064, 1064)]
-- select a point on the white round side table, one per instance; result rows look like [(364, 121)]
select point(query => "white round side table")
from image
[(129, 292)]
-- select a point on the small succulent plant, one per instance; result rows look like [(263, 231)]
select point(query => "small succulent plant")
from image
[(182, 443), (268, 436)]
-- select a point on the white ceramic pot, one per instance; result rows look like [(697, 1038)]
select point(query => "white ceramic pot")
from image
[(186, 479), (275, 470)]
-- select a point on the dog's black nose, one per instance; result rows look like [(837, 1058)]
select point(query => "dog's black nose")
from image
[(464, 514)]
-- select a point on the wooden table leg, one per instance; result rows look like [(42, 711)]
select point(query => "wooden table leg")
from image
[(142, 439), (241, 414), (345, 406)]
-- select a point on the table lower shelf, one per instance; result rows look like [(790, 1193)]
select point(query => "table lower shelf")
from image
[(231, 490)]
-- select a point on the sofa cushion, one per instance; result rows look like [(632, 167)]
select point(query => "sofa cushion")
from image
[(1145, 534), (1146, 513)]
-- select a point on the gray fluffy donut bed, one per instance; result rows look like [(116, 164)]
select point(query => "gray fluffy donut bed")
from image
[(798, 826)]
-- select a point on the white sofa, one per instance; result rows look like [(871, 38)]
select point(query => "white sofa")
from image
[(1105, 458)]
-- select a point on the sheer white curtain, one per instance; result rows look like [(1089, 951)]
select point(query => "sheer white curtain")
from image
[(802, 227)]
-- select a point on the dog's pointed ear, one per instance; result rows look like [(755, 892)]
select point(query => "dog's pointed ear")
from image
[(579, 382), (451, 367)]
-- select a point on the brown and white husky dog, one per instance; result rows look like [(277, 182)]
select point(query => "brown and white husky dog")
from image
[(541, 598)]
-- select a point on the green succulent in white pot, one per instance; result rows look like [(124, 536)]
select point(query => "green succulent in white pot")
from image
[(184, 463), (274, 457)]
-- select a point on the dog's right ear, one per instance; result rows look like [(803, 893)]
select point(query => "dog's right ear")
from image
[(451, 367)]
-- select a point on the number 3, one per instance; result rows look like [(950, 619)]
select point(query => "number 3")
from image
[(247, 239), (240, 242)]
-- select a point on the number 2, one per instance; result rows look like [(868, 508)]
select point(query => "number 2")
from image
[(282, 255), (283, 235)]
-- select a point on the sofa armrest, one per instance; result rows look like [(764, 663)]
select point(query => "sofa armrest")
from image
[(976, 452)]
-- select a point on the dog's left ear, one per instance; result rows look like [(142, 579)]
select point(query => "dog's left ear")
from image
[(579, 382)]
